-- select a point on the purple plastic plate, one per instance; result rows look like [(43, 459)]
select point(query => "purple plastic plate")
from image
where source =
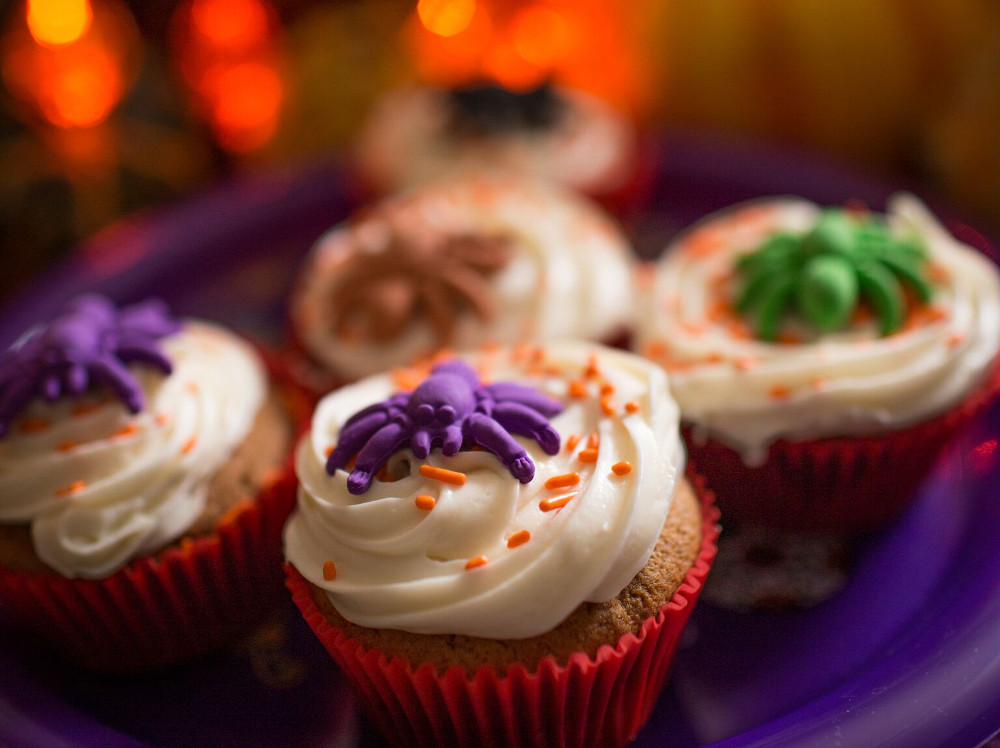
[(908, 654)]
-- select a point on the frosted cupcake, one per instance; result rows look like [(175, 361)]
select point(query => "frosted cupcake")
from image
[(144, 478), (517, 526), (417, 134), (456, 264), (822, 358)]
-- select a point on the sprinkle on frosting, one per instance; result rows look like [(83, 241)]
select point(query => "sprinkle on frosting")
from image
[(563, 481), (453, 477), (556, 502), (472, 563), (329, 571), (518, 538), (426, 501), (90, 342), (621, 468), (450, 409), (826, 272)]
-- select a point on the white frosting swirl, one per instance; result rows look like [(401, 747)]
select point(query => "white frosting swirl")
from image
[(747, 393), (101, 486), (402, 567), (407, 139), (570, 275)]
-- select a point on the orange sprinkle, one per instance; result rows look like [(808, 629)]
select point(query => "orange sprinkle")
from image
[(329, 451), (556, 502), (587, 455), (703, 243), (406, 379), (738, 329), (938, 273), (817, 383), (655, 349), (231, 514), (329, 571), (719, 310), (538, 355), (594, 440), (862, 313), (553, 370), (781, 391), (67, 446), (694, 328), (162, 419), (192, 387), (127, 430), (33, 425), (84, 408), (577, 388), (592, 369), (789, 338), (631, 407), (445, 476), (607, 406), (622, 468), (74, 487), (955, 339), (425, 501), (714, 358), (472, 563), (572, 441), (189, 445), (518, 538), (520, 352), (746, 363), (563, 481), (607, 388)]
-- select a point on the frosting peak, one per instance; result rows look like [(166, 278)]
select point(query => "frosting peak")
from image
[(456, 543)]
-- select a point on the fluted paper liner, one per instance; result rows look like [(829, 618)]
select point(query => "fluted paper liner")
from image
[(599, 701), (191, 598), (841, 484)]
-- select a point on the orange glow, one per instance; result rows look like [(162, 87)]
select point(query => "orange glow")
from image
[(79, 82), (246, 100), (541, 36), (231, 24), (451, 60), (446, 17), (58, 22)]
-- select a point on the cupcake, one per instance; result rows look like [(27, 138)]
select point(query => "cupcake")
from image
[(507, 553), (459, 263), (420, 133), (822, 359), (145, 476)]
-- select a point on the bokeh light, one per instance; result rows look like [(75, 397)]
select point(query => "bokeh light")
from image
[(58, 21)]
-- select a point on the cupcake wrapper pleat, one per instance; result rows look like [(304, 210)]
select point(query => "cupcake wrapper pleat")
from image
[(841, 484), (188, 600), (599, 701)]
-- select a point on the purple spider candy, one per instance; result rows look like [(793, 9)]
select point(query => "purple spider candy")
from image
[(90, 342), (450, 409)]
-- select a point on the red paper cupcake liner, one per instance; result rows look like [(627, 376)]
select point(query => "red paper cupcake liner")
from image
[(840, 484), (599, 701), (190, 599)]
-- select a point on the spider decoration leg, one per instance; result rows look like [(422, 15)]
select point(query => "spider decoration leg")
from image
[(525, 395), (520, 419), (380, 447), (488, 433)]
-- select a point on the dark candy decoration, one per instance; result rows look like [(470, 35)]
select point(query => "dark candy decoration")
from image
[(486, 109), (90, 342), (451, 409)]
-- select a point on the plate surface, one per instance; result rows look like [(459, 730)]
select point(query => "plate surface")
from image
[(907, 654)]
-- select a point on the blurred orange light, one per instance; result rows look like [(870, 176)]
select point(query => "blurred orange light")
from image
[(58, 21), (83, 91), (541, 36), (246, 101), (231, 24), (446, 17)]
